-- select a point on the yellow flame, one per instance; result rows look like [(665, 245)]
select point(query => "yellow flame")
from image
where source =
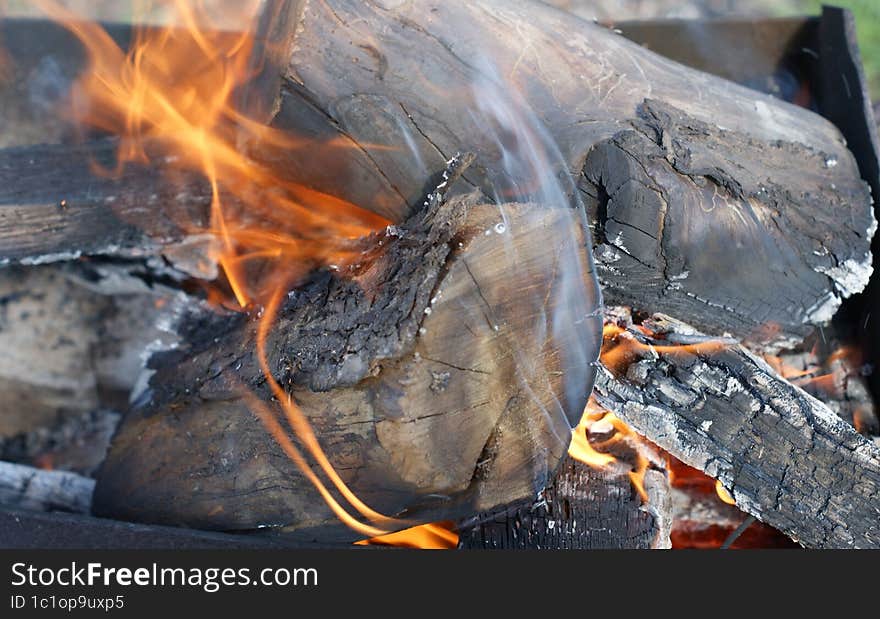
[(580, 448), (303, 428), (723, 494), (174, 93)]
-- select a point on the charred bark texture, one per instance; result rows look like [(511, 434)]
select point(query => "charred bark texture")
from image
[(673, 166), (783, 455), (582, 508), (720, 171), (679, 199), (54, 206)]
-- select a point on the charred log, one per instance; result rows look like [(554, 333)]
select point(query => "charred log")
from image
[(24, 487), (674, 182), (783, 455), (55, 207), (706, 142), (582, 508)]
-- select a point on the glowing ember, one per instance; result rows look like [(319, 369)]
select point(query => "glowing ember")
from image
[(620, 348), (436, 536), (827, 379)]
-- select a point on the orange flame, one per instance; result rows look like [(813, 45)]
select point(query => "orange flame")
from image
[(620, 347), (436, 536), (175, 93), (582, 450), (580, 447)]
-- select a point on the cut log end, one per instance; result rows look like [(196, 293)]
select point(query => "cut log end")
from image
[(481, 358)]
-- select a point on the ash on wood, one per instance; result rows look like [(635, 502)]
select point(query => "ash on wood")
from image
[(24, 487), (744, 193), (706, 140), (427, 423), (783, 455)]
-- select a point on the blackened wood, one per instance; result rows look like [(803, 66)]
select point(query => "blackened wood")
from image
[(592, 89), (353, 80), (783, 455), (275, 27), (582, 508), (36, 530), (25, 487), (445, 386), (661, 239)]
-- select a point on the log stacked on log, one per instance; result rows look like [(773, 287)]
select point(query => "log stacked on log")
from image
[(599, 96), (704, 199)]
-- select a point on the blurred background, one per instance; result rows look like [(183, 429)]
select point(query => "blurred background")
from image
[(867, 14)]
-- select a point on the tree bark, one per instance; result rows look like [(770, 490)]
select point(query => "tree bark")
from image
[(783, 455)]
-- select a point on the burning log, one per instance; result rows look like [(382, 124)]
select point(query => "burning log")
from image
[(24, 487), (435, 385), (675, 184), (780, 453), (683, 172)]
